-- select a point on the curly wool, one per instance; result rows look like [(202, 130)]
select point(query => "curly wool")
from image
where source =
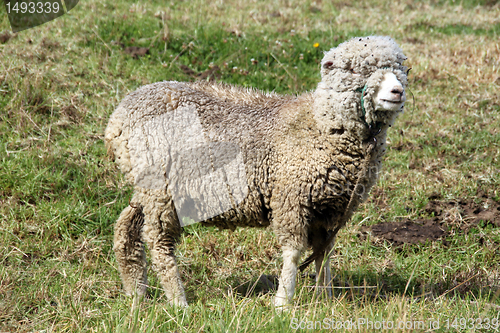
[(301, 155)]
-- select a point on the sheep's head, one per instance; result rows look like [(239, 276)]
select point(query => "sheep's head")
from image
[(366, 76)]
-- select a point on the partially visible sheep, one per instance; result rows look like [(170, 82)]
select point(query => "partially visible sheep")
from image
[(229, 157)]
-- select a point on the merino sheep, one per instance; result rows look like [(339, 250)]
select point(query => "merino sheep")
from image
[(228, 156)]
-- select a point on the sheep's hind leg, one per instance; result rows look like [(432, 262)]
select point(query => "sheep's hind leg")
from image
[(129, 251), (161, 230), (323, 272)]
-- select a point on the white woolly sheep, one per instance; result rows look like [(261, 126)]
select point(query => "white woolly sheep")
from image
[(227, 156)]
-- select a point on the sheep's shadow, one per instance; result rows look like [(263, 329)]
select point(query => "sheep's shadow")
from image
[(368, 285), (261, 285)]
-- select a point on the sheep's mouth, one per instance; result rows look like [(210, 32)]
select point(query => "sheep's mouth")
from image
[(392, 101), (389, 104)]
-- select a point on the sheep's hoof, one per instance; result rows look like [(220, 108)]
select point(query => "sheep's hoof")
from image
[(179, 303), (281, 304), (282, 308)]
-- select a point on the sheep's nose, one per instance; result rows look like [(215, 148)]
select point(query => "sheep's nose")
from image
[(397, 92)]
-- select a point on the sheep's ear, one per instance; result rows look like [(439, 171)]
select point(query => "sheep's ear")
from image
[(328, 65)]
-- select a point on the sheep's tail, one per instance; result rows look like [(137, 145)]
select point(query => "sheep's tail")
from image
[(116, 138), (354, 201), (137, 218)]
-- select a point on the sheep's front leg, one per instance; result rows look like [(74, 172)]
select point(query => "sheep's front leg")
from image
[(161, 230), (289, 225), (129, 251), (286, 286), (323, 272)]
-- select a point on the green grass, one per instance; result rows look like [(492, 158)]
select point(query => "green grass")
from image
[(60, 194)]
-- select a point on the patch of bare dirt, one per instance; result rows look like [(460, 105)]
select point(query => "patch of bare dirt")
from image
[(406, 232), (136, 52), (4, 38), (49, 44), (459, 215), (71, 112), (464, 214)]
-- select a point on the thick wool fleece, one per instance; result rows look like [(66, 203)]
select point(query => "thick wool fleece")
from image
[(301, 156)]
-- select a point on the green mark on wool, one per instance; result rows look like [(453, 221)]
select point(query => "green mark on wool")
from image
[(363, 111)]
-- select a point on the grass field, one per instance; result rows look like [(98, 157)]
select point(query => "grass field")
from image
[(60, 194)]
